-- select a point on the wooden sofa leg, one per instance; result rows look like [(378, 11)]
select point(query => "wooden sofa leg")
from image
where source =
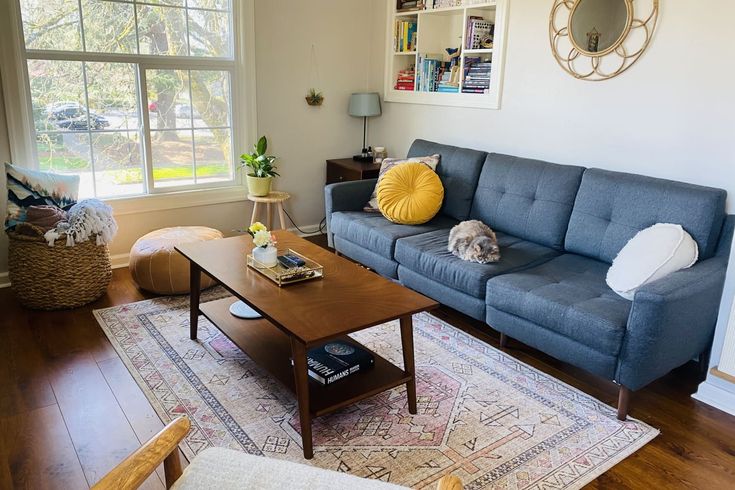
[(503, 340), (703, 363), (623, 402)]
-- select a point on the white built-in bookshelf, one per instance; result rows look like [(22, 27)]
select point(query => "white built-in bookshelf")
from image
[(437, 29)]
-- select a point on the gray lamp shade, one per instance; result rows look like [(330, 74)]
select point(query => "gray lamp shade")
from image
[(364, 104)]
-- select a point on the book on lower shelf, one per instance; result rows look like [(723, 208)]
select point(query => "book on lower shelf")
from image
[(337, 360), (436, 75), (476, 76), (406, 80)]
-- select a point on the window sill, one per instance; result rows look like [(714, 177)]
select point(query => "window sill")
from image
[(177, 200)]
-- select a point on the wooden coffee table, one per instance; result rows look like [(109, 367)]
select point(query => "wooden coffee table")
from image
[(304, 315)]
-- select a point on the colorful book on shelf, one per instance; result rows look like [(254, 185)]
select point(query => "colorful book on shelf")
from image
[(337, 360), (406, 80), (476, 76), (431, 70), (405, 36), (409, 5)]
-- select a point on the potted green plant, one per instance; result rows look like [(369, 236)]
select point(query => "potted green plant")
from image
[(260, 168)]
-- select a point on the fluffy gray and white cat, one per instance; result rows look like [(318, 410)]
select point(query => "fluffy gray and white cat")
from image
[(474, 241)]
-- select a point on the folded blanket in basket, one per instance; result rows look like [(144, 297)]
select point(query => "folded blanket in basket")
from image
[(45, 217), (87, 218)]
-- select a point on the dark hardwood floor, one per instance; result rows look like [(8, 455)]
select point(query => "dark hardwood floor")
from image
[(69, 409)]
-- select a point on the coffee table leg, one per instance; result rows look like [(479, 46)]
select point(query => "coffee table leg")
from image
[(408, 362), (301, 377), (195, 280)]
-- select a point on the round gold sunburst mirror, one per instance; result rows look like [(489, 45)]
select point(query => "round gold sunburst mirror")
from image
[(599, 39)]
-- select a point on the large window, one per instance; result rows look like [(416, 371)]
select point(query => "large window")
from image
[(133, 96)]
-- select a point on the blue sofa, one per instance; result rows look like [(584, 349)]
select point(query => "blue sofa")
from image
[(559, 228)]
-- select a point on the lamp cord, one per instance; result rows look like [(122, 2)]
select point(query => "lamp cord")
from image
[(321, 230)]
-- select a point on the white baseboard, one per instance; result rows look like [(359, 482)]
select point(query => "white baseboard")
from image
[(716, 396), (306, 228), (4, 280)]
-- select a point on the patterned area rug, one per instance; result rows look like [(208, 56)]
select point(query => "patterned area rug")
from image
[(483, 415)]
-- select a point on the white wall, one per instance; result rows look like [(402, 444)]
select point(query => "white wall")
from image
[(303, 137), (671, 115)]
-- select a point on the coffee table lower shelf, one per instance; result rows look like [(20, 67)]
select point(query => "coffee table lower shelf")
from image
[(270, 348)]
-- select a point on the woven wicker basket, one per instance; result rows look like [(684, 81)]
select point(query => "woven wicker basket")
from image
[(58, 277)]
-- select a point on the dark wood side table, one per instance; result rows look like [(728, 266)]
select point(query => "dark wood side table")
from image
[(345, 169)]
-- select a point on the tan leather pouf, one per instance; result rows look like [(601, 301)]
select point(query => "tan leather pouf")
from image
[(157, 267)]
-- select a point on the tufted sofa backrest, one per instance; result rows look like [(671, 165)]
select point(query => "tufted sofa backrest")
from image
[(530, 199), (458, 170), (611, 207)]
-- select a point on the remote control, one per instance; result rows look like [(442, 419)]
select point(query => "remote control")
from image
[(286, 262), (296, 260)]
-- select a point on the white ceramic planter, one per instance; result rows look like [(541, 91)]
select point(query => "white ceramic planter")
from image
[(267, 256)]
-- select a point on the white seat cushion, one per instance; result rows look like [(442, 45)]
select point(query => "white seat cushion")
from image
[(225, 469), (653, 253)]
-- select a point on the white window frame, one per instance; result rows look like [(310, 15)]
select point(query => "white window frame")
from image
[(21, 129)]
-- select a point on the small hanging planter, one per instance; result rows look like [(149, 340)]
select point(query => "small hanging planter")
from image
[(314, 98)]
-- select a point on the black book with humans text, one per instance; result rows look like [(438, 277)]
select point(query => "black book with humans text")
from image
[(336, 360)]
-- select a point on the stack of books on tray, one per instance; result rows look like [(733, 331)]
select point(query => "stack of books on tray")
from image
[(337, 360), (476, 76), (406, 80)]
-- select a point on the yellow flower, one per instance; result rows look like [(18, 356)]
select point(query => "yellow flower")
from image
[(256, 227)]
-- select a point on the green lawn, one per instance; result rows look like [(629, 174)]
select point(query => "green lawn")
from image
[(134, 175), (62, 163), (53, 158)]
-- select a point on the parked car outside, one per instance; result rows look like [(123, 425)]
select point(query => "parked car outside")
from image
[(72, 116)]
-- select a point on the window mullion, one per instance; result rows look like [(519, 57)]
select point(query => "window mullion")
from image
[(89, 129), (145, 128), (137, 30), (81, 26), (191, 121)]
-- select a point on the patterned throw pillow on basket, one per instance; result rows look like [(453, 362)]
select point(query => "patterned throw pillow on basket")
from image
[(28, 188), (431, 161)]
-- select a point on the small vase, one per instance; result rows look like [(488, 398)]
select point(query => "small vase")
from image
[(259, 186), (267, 256)]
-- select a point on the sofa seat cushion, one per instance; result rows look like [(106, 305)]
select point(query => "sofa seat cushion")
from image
[(377, 234), (567, 295), (427, 254)]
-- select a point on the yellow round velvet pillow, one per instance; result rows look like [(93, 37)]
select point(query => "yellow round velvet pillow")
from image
[(410, 194)]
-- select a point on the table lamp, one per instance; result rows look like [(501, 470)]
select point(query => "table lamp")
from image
[(364, 105)]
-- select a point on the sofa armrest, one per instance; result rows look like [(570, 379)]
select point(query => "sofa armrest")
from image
[(672, 321), (346, 196)]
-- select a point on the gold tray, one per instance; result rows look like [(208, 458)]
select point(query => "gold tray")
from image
[(283, 275)]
